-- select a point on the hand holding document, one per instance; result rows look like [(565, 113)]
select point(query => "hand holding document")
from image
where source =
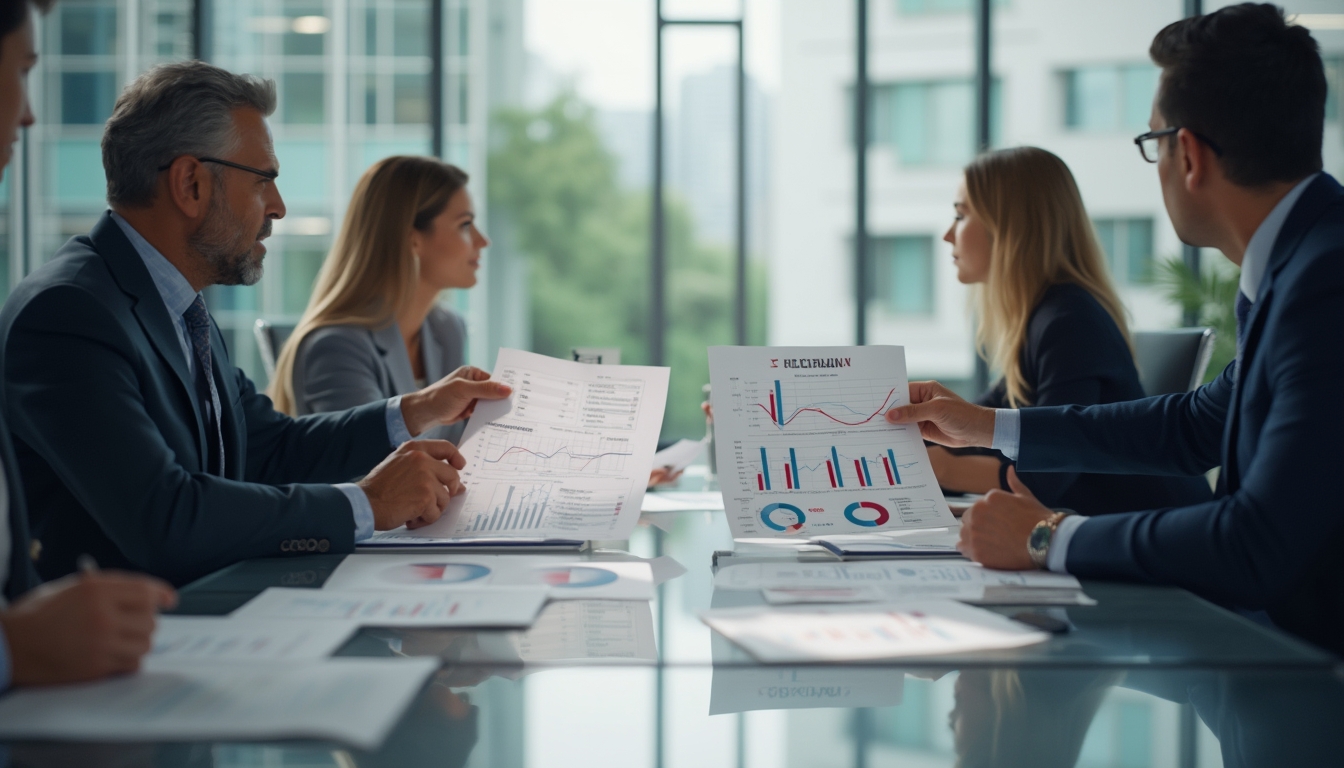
[(567, 456), (498, 607), (352, 701), (804, 450), (867, 632)]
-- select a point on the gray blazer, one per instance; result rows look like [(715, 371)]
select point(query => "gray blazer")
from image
[(342, 366)]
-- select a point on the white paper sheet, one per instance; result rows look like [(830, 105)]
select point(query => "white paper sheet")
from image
[(679, 455), (922, 542), (856, 633), (590, 631), (898, 580), (746, 689), (566, 456), (566, 578), (495, 607), (682, 501), (208, 639), (804, 449), (354, 701)]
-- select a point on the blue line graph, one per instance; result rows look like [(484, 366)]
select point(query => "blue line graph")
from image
[(557, 456)]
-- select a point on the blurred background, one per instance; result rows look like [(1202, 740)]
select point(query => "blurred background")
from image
[(747, 234)]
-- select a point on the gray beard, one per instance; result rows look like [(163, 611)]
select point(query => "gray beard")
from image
[(223, 245)]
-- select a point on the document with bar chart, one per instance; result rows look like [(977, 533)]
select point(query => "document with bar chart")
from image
[(803, 449), (566, 456)]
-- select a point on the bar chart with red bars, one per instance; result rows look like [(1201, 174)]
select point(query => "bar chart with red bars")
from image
[(829, 467)]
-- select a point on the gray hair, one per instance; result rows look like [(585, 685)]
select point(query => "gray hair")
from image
[(185, 108)]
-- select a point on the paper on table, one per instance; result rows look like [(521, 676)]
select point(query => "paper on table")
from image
[(354, 701), (223, 639), (682, 501), (404, 538), (860, 594), (679, 455), (746, 689), (853, 633), (566, 578), (566, 456), (804, 449), (882, 573), (591, 630), (494, 607), (926, 542)]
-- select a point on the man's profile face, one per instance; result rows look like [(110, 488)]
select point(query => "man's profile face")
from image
[(17, 56), (242, 206), (1170, 174)]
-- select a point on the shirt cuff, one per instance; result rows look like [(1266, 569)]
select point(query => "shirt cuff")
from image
[(359, 504), (1007, 432), (1058, 556), (5, 675), (397, 433)]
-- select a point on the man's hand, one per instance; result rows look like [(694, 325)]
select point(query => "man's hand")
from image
[(83, 627), (413, 484), (994, 531), (945, 418), (450, 399)]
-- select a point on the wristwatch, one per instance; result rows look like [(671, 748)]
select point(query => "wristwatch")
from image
[(1038, 543)]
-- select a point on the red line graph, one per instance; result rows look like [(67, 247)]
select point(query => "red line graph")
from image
[(771, 410)]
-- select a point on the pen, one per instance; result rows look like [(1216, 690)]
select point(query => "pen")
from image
[(86, 564)]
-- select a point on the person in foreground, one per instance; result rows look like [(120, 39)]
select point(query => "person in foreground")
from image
[(1236, 136), (1048, 318), (81, 627), (373, 328), (139, 441)]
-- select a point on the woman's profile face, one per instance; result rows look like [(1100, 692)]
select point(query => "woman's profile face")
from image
[(450, 252), (970, 241)]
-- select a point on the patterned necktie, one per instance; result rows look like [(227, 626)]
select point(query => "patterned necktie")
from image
[(1243, 309), (198, 329)]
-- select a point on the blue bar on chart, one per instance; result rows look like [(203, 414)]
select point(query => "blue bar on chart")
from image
[(839, 476), (867, 478), (765, 469), (895, 470), (793, 461), (779, 404)]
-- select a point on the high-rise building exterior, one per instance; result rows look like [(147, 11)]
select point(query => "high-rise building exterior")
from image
[(1071, 77)]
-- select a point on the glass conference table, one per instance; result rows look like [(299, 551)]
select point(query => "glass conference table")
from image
[(1148, 677)]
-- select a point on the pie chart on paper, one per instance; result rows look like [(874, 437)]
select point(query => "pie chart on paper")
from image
[(576, 577), (436, 573)]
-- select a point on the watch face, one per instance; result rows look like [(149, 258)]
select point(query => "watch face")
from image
[(1040, 538)]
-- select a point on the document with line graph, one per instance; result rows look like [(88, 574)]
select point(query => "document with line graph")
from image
[(566, 456), (803, 449)]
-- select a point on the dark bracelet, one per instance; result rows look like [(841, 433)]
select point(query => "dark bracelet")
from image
[(1003, 475)]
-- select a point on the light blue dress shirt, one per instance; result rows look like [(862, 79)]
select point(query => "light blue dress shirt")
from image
[(178, 295), (1254, 262)]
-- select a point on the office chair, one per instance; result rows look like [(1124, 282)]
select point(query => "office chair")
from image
[(1172, 361), (270, 338)]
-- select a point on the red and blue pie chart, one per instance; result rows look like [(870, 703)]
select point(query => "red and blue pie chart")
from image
[(783, 517), (851, 514), (436, 573), (576, 577)]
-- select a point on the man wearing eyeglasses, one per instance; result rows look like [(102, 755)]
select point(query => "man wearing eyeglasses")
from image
[(138, 440), (1236, 138)]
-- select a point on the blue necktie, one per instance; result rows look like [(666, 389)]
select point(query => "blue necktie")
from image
[(1243, 309), (198, 329)]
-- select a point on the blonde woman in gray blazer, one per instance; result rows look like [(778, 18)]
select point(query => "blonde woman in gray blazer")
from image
[(373, 328)]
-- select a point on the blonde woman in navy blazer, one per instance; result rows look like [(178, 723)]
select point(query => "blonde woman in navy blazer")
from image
[(374, 328)]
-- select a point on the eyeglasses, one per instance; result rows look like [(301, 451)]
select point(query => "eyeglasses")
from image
[(1150, 148), (271, 175)]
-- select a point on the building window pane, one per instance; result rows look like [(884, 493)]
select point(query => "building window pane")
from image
[(1109, 98), (410, 99), (304, 97), (1140, 86), (88, 30), (410, 27), (929, 123), (1128, 244), (902, 280), (87, 97)]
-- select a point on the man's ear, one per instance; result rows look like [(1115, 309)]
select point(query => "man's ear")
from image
[(189, 186), (1196, 160)]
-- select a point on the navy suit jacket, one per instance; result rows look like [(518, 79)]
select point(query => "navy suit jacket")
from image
[(1273, 539), (21, 576), (110, 440), (1074, 354)]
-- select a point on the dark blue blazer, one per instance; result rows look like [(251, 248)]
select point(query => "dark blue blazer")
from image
[(21, 576), (1273, 539), (1074, 354), (110, 441)]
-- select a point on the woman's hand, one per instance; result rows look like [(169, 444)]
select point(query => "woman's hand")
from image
[(450, 399)]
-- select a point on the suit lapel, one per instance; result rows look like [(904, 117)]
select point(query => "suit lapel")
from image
[(431, 351), (231, 423), (131, 275), (1309, 207), (395, 360)]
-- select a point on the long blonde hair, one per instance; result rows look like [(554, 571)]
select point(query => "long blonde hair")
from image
[(1040, 236), (370, 271)]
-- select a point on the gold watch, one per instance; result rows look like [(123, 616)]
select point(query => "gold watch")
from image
[(1038, 543)]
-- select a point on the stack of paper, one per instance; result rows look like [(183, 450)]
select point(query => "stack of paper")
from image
[(858, 633), (879, 581)]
